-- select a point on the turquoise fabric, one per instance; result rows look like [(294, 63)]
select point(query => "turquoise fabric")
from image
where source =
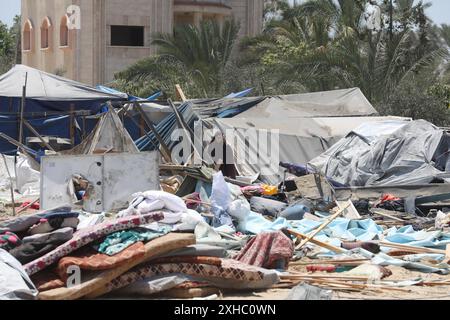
[(119, 241)]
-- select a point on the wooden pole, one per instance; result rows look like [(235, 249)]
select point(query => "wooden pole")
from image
[(180, 93), (22, 108), (29, 126), (10, 185), (317, 242), (323, 226), (165, 150)]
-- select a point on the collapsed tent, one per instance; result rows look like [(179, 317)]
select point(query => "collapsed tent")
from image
[(388, 153), (297, 127), (108, 136)]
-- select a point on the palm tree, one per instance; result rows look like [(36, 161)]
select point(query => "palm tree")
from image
[(195, 56)]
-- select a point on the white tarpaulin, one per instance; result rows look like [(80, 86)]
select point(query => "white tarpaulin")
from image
[(49, 87), (24, 178), (300, 140)]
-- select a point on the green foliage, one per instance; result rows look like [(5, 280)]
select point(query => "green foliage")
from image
[(317, 45), (195, 58), (10, 43)]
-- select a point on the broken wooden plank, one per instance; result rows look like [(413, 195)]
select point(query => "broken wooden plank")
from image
[(323, 226), (411, 248), (180, 93), (317, 242)]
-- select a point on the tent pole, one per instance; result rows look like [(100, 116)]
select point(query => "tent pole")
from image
[(164, 148), (22, 108), (10, 185), (29, 126)]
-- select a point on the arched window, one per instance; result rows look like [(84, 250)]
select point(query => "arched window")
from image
[(64, 32), (45, 33), (27, 35)]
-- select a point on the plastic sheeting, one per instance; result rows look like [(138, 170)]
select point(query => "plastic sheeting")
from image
[(49, 87), (386, 153), (300, 140), (336, 103)]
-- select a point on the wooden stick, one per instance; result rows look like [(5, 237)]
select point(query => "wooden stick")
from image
[(22, 108), (164, 148), (10, 185), (324, 262), (30, 127), (323, 226), (180, 93), (387, 216), (447, 252), (27, 206), (317, 242), (411, 248)]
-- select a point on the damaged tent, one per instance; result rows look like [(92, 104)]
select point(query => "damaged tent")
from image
[(52, 105), (388, 153), (108, 136), (303, 125)]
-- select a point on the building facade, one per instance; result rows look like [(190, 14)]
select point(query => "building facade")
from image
[(90, 40)]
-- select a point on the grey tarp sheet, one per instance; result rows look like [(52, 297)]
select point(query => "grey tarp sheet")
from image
[(14, 281), (48, 87), (386, 153), (336, 103), (300, 140)]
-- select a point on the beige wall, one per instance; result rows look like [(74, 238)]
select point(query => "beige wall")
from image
[(90, 57), (53, 58)]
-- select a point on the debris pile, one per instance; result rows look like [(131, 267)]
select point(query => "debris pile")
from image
[(357, 205)]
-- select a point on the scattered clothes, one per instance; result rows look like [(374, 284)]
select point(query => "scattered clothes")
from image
[(306, 292), (51, 224), (268, 250), (15, 284), (89, 219), (36, 246), (369, 246), (86, 236), (296, 169), (392, 203), (442, 220), (266, 206), (151, 201), (34, 206), (119, 241), (371, 271), (9, 240), (63, 235), (23, 223), (89, 259)]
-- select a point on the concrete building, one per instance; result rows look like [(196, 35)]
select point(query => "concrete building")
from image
[(91, 40)]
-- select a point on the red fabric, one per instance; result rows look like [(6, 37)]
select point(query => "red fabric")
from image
[(388, 197), (267, 248), (35, 206)]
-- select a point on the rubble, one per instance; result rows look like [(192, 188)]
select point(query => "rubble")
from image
[(357, 203)]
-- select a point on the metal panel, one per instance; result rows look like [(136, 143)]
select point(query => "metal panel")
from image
[(113, 177)]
